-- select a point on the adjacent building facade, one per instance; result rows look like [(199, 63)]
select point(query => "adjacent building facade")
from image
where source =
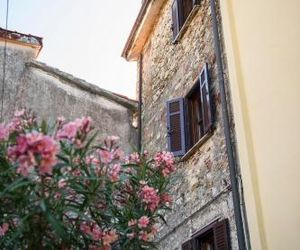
[(49, 92), (245, 149), (173, 43)]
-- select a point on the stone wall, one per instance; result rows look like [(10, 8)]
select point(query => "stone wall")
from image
[(49, 93), (202, 185)]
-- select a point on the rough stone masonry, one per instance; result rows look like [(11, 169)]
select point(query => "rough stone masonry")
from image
[(50, 93), (202, 185)]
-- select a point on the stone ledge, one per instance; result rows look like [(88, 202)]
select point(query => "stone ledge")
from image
[(82, 84)]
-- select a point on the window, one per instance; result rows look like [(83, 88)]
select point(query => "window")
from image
[(181, 10), (212, 237), (189, 118)]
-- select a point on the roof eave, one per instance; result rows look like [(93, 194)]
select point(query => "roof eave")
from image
[(142, 28)]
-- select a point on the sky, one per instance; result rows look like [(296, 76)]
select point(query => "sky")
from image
[(82, 37)]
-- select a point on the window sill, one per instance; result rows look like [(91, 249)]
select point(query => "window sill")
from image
[(186, 24), (193, 149)]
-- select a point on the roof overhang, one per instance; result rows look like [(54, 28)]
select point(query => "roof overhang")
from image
[(142, 28), (15, 37)]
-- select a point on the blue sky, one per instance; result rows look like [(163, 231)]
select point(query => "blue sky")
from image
[(82, 37)]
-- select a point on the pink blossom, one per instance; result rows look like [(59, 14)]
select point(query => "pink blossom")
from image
[(31, 147), (19, 113), (166, 199), (91, 159), (150, 197), (132, 222), (165, 161), (4, 132), (115, 172), (143, 235), (84, 124), (143, 222), (62, 183), (85, 228), (133, 158), (118, 154), (96, 233), (109, 237), (68, 131), (105, 156), (3, 229)]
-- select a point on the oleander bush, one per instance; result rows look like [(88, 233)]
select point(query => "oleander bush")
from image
[(60, 189)]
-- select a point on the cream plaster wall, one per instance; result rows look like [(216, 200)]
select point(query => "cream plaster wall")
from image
[(262, 41)]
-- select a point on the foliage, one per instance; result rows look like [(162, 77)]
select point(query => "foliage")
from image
[(61, 190)]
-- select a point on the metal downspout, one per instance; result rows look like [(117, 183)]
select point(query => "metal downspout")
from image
[(140, 103), (229, 145)]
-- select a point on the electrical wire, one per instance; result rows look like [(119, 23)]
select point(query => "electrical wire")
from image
[(4, 63)]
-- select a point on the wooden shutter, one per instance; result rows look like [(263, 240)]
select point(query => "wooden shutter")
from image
[(176, 17), (205, 99), (187, 245), (176, 126), (221, 235)]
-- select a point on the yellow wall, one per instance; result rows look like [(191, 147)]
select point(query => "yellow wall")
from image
[(262, 40)]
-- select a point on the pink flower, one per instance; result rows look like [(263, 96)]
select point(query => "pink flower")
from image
[(19, 113), (118, 154), (85, 228), (165, 161), (109, 237), (133, 158), (68, 131), (62, 183), (166, 199), (105, 156), (143, 222), (143, 235), (132, 222), (4, 132), (34, 149), (84, 124), (115, 172), (96, 233), (4, 229), (150, 197)]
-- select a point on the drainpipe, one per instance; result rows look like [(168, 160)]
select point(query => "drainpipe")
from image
[(140, 104), (237, 200)]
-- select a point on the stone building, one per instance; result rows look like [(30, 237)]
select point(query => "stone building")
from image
[(50, 93), (182, 110)]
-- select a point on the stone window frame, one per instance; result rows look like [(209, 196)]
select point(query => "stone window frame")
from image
[(182, 28)]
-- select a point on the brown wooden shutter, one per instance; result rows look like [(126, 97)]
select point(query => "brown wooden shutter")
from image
[(176, 126), (187, 6), (205, 99), (176, 17), (187, 245), (221, 235)]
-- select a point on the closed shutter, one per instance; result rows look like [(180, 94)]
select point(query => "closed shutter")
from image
[(187, 245), (176, 17), (221, 235), (176, 126), (205, 99)]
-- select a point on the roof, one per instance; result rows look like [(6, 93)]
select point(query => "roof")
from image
[(82, 84), (20, 38), (142, 28)]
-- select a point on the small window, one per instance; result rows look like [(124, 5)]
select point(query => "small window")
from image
[(181, 9), (190, 117), (212, 237)]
